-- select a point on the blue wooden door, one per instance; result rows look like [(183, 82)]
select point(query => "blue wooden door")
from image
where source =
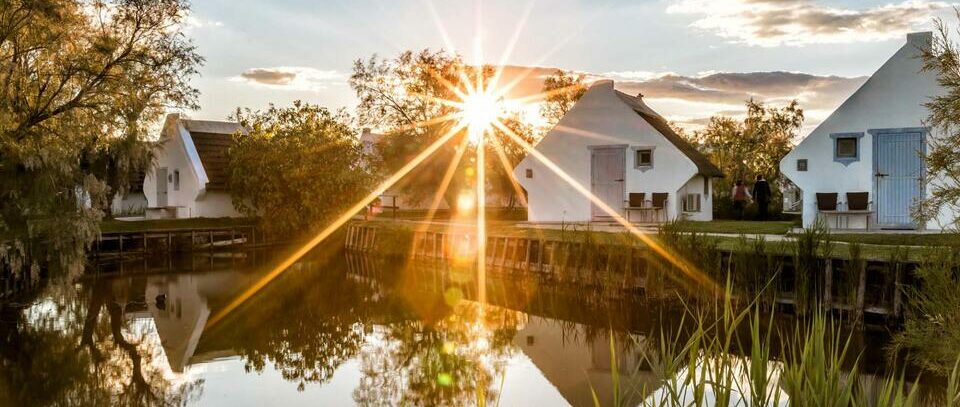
[(898, 174)]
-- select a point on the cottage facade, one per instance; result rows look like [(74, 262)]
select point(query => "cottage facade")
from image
[(616, 146), (189, 178), (873, 143)]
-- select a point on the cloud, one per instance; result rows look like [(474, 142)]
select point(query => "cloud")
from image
[(803, 22), (691, 99), (291, 77), (194, 22)]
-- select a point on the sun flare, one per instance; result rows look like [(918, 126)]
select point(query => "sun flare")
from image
[(478, 112)]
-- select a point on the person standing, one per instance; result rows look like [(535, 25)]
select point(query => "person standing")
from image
[(761, 194), (740, 197)]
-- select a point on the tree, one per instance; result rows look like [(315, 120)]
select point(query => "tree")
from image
[(943, 153), (754, 146), (301, 165), (751, 147), (80, 85), (405, 97), (562, 90)]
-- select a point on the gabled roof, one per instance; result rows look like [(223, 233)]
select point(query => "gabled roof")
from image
[(212, 139), (704, 166)]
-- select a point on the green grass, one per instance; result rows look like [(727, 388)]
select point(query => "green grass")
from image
[(736, 227), (899, 239), (513, 214), (113, 225)]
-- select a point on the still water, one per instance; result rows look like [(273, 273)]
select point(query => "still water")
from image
[(334, 329)]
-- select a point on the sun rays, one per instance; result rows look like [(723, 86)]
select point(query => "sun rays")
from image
[(479, 103)]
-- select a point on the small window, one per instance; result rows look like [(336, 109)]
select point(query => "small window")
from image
[(802, 164), (176, 180), (529, 173), (691, 203), (530, 340), (847, 147), (644, 157)]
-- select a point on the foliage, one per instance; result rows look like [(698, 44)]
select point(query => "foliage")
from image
[(751, 147), (943, 153), (81, 350), (561, 91), (82, 83), (405, 97), (931, 331), (298, 166)]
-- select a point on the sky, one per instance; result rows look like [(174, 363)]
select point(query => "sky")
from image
[(691, 59)]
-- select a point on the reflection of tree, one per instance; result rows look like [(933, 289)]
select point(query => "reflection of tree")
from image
[(63, 352), (453, 361), (306, 323)]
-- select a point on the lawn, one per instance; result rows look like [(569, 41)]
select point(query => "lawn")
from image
[(113, 225), (737, 227), (899, 239), (514, 214)]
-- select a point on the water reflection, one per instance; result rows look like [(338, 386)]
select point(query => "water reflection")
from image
[(335, 329)]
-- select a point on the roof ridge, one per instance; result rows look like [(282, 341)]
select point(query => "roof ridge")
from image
[(704, 166)]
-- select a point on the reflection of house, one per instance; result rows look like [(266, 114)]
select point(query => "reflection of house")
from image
[(627, 154), (189, 178), (873, 143), (577, 365), (181, 306)]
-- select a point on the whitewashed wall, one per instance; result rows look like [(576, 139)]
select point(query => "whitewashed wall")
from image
[(190, 198), (600, 117), (892, 98)]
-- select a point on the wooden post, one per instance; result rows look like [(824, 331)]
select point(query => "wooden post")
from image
[(897, 295), (828, 285), (861, 291)]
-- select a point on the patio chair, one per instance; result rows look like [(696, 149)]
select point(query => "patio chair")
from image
[(858, 203), (827, 204), (659, 204), (637, 201)]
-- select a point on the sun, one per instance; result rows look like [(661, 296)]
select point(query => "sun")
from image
[(478, 113)]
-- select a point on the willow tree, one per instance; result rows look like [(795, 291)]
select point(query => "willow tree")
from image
[(405, 97), (80, 85)]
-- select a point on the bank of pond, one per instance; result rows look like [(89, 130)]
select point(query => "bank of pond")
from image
[(386, 315)]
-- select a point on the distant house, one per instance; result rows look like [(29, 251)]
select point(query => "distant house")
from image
[(133, 202), (872, 146), (189, 178), (394, 197), (627, 155)]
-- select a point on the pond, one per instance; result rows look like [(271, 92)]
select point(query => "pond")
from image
[(341, 328)]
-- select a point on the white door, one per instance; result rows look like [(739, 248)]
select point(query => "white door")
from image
[(606, 174), (161, 187), (898, 175)]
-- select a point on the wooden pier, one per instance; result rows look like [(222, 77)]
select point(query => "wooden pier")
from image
[(859, 288), (159, 241)]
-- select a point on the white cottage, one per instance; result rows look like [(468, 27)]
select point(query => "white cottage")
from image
[(872, 145), (189, 178), (627, 154)]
